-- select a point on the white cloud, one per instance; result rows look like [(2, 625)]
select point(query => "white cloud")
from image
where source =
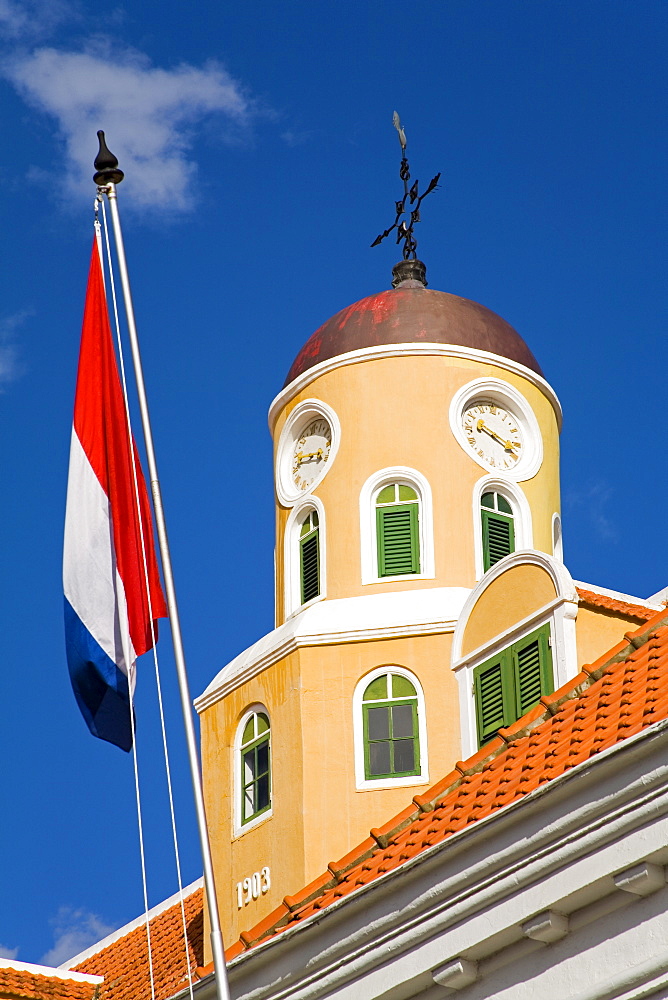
[(73, 931), (594, 498), (31, 19), (6, 952), (150, 115), (10, 367)]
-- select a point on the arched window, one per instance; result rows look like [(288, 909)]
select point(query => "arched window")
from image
[(255, 765), (398, 530), (390, 727), (498, 528), (309, 557)]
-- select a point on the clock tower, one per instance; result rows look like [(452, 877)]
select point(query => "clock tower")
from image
[(415, 447)]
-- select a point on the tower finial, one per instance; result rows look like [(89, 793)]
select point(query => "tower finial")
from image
[(106, 165), (410, 267)]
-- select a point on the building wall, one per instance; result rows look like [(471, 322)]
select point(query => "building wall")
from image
[(317, 810)]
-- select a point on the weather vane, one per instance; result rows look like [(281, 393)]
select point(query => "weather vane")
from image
[(411, 196)]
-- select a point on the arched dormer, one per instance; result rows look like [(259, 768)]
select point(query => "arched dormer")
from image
[(514, 642)]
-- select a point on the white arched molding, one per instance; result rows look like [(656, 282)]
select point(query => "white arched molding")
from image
[(292, 598), (560, 613), (369, 554), (361, 781), (522, 523), (237, 778), (557, 538)]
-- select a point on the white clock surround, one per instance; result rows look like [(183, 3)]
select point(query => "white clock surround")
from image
[(507, 397), (304, 416)]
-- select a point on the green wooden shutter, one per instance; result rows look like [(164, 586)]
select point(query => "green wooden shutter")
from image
[(532, 668), (493, 696), (310, 566), (397, 532), (498, 537)]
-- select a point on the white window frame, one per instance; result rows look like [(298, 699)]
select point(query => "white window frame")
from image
[(369, 549), (362, 783), (560, 613), (292, 597), (522, 522), (239, 826)]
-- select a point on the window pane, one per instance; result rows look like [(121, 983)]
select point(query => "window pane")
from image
[(407, 493), (249, 766), (262, 723), (487, 500), (314, 518), (402, 721), (402, 687), (249, 731), (404, 755), (386, 495), (379, 723), (262, 797), (379, 758), (376, 689), (503, 504), (249, 806), (262, 764)]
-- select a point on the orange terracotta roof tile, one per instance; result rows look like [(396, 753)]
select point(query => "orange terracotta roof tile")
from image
[(23, 982), (124, 962), (594, 599), (614, 698)]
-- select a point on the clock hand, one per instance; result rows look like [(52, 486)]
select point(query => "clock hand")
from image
[(507, 445), (301, 457)]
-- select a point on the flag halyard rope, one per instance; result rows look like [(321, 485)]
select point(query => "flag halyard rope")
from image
[(177, 856)]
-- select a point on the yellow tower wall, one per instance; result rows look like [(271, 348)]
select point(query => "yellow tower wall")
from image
[(317, 810), (395, 411)]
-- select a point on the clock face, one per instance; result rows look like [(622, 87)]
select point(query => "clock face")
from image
[(310, 452), (493, 433)]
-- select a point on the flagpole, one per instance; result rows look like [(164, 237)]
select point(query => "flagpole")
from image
[(107, 176)]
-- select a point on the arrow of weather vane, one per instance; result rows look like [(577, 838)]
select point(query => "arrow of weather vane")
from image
[(412, 196)]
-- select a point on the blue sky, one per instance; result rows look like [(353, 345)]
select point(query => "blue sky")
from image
[(261, 163)]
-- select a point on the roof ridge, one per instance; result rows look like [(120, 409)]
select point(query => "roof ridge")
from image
[(184, 893), (381, 837)]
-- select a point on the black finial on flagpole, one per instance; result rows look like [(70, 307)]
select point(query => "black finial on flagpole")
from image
[(106, 165), (410, 268)]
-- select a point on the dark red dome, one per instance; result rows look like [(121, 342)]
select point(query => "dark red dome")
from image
[(412, 316)]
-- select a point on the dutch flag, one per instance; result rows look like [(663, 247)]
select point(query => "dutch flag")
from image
[(107, 616)]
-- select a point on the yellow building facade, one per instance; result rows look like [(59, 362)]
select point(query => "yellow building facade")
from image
[(418, 571)]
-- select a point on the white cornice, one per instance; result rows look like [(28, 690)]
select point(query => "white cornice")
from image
[(49, 972), (396, 615), (406, 350)]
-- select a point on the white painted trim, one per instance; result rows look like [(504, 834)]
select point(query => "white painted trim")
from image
[(521, 510), (560, 613), (368, 547), (411, 350), (507, 396), (362, 783), (48, 971), (287, 492), (617, 595), (390, 615), (110, 939), (557, 538), (237, 791), (292, 601)]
